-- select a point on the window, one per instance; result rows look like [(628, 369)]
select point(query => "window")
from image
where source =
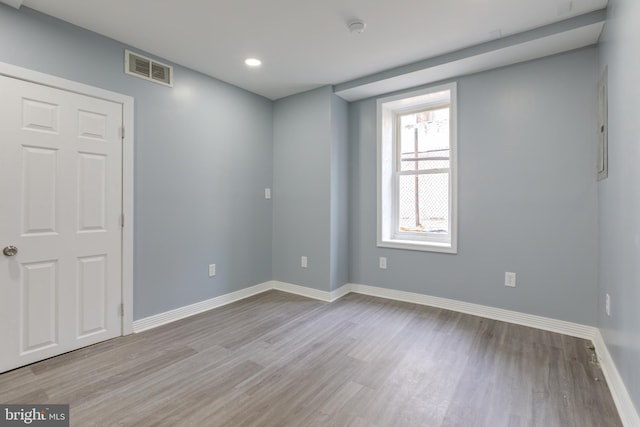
[(417, 200)]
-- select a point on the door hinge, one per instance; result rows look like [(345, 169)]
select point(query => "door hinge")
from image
[(121, 132), (122, 220), (121, 310)]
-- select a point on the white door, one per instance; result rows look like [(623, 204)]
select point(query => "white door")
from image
[(60, 206)]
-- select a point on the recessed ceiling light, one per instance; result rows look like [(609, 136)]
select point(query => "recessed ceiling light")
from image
[(253, 62)]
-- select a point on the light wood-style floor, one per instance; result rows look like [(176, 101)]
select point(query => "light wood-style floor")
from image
[(277, 359)]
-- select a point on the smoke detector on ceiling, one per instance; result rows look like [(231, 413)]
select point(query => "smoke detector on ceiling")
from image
[(357, 26)]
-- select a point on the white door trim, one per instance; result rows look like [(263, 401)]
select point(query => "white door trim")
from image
[(20, 73)]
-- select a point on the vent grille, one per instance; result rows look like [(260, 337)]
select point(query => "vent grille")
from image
[(160, 73), (139, 66), (148, 69)]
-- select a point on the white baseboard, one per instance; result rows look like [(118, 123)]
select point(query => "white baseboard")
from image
[(302, 290), (340, 292), (538, 322), (312, 293), (621, 398), (202, 306), (199, 307), (620, 395)]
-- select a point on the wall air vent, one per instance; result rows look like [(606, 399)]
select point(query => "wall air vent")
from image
[(148, 69)]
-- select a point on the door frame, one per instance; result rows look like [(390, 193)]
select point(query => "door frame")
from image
[(127, 103)]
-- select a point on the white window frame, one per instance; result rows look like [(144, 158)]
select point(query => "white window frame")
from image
[(388, 109)]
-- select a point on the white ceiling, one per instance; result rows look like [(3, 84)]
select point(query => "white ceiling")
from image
[(305, 44)]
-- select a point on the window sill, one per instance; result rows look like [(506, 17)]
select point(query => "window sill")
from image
[(413, 245)]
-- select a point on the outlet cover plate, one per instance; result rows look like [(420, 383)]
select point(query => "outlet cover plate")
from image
[(510, 279)]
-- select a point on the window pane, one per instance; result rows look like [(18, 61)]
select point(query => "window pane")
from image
[(429, 211), (424, 140)]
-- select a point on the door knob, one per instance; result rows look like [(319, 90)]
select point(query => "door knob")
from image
[(10, 251)]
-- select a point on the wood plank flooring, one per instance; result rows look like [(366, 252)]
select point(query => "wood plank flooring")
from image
[(277, 359)]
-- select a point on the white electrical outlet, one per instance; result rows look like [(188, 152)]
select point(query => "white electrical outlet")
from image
[(510, 279), (383, 263), (607, 304), (267, 193), (303, 262), (212, 270)]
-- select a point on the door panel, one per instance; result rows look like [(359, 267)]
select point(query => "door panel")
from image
[(92, 295), (38, 310), (92, 192), (61, 201), (39, 190), (40, 116)]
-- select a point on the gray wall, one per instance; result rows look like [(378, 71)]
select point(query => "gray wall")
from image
[(310, 215), (619, 200), (527, 194), (339, 193), (301, 188), (202, 160)]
